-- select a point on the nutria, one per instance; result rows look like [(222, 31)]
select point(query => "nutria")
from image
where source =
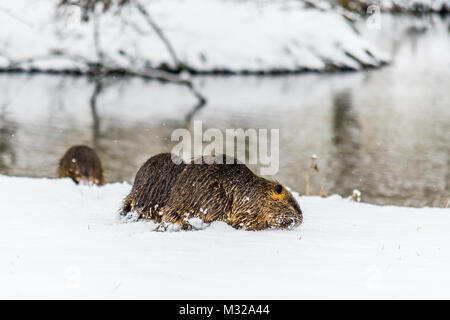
[(81, 164), (166, 192)]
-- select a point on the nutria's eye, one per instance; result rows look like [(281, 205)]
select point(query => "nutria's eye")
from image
[(278, 189)]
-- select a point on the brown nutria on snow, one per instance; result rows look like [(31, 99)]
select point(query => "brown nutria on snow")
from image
[(81, 164), (166, 192)]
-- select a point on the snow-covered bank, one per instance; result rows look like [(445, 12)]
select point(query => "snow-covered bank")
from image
[(207, 36), (58, 240), (411, 6)]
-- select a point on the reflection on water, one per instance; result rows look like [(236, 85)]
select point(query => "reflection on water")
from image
[(345, 151), (7, 153), (95, 117), (384, 132)]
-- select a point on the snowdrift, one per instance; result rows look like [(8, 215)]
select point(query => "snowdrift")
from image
[(208, 36), (59, 240), (410, 6)]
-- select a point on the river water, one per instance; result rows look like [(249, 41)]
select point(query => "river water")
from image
[(385, 132)]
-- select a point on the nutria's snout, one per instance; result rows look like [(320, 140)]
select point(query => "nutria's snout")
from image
[(298, 216), (287, 220), (281, 208), (294, 220), (289, 223)]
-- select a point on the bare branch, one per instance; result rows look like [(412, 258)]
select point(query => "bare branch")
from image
[(102, 67), (164, 76), (98, 49), (159, 32)]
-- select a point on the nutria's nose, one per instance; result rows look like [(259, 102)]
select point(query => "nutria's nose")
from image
[(291, 222), (286, 224)]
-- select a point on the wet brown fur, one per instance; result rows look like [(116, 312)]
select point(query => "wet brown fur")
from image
[(166, 192), (81, 163)]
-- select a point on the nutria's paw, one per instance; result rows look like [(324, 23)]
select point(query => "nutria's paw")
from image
[(197, 224), (128, 217), (168, 226), (162, 227)]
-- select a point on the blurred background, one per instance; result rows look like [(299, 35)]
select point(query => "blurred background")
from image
[(364, 85)]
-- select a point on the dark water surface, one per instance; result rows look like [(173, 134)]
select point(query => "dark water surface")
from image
[(384, 132)]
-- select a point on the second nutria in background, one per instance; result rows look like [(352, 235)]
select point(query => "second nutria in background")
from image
[(166, 192), (81, 164)]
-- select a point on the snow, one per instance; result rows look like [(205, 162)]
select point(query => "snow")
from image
[(59, 240), (410, 5), (207, 35)]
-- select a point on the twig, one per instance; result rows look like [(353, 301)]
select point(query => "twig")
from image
[(164, 76), (12, 15), (98, 49), (313, 167), (159, 32), (322, 192)]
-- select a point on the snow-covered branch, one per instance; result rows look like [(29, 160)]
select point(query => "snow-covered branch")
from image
[(142, 37), (159, 32)]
